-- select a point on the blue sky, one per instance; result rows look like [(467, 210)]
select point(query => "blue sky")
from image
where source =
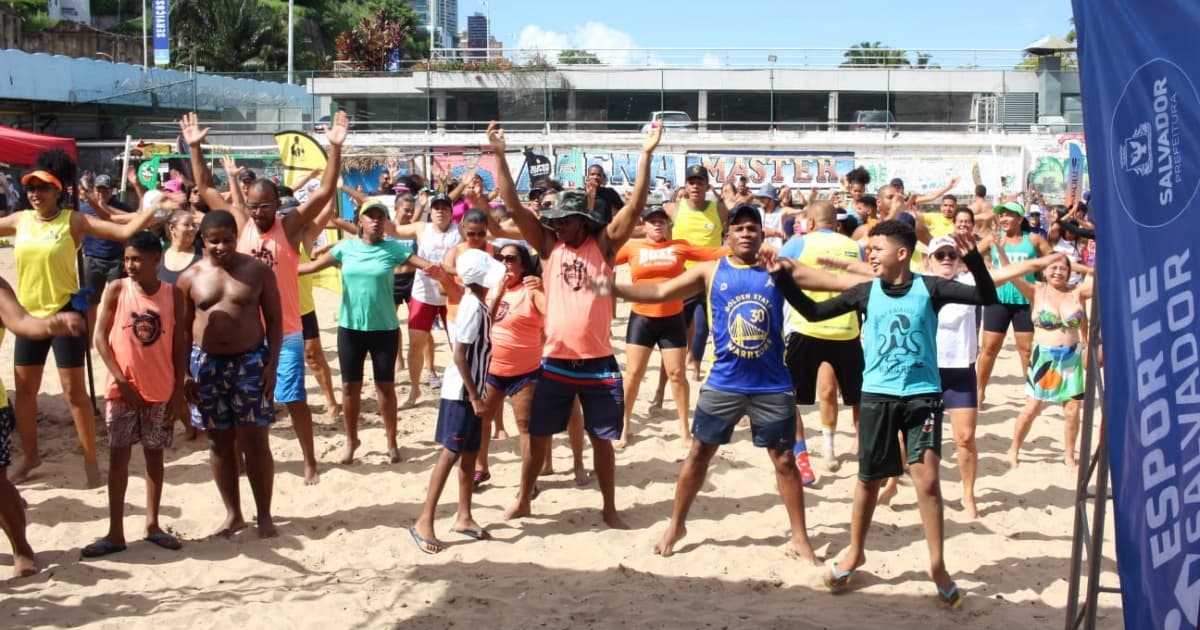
[(919, 25)]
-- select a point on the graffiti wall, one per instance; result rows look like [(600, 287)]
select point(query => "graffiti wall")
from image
[(1051, 171)]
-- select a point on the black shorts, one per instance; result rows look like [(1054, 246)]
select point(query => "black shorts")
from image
[(804, 356), (664, 332), (354, 346), (881, 421), (309, 328), (996, 318), (96, 274), (69, 351), (458, 428), (402, 285)]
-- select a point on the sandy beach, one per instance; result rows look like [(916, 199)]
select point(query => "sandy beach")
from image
[(344, 557)]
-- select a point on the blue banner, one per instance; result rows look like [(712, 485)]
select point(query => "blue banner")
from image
[(162, 33), (1139, 71)]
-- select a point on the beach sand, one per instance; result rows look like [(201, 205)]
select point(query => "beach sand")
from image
[(344, 557)]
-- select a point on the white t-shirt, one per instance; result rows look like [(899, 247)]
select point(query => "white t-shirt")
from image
[(773, 221), (957, 339), (472, 327), (432, 246)]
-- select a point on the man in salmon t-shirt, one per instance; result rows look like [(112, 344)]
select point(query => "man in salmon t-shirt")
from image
[(576, 248)]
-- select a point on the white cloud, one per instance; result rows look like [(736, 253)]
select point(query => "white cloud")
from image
[(612, 46)]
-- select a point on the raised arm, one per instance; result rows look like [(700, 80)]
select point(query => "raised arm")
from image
[(295, 222), (945, 291), (526, 221), (1000, 275), (621, 227), (194, 135), (938, 193), (324, 261), (93, 226)]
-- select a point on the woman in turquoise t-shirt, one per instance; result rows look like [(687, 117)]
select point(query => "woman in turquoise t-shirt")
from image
[(367, 322)]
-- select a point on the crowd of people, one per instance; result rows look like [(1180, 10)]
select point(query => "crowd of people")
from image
[(200, 307)]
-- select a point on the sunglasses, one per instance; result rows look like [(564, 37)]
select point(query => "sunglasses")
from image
[(255, 207), (508, 258), (946, 255), (474, 234)]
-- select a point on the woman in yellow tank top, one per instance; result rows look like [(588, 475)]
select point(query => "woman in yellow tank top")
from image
[(47, 239)]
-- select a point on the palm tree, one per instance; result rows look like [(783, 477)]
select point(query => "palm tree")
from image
[(875, 54), (230, 35), (923, 60)]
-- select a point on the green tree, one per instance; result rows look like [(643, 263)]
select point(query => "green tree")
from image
[(923, 62), (572, 56), (230, 35), (874, 54)]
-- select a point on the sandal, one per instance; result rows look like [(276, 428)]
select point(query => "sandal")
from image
[(951, 597), (481, 477)]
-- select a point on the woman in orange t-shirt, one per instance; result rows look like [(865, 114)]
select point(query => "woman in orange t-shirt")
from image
[(518, 333), (655, 259)]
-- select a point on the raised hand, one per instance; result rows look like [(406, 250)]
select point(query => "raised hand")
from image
[(337, 132), (964, 243), (653, 138), (230, 166), (189, 127), (533, 283), (495, 136)]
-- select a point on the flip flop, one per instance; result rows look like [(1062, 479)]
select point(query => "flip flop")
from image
[(481, 477), (101, 548), (838, 581), (951, 597), (164, 540), (425, 545), (477, 534)]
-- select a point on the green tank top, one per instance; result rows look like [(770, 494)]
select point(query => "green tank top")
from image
[(1007, 293)]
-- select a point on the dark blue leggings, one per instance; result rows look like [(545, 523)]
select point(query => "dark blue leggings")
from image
[(695, 311)]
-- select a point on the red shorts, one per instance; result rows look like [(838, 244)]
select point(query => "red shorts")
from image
[(421, 315)]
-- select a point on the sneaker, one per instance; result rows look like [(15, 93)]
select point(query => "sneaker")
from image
[(434, 381)]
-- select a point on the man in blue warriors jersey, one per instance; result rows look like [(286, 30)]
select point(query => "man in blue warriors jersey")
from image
[(749, 377)]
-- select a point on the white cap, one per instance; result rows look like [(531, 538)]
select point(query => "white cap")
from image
[(476, 267), (942, 241)]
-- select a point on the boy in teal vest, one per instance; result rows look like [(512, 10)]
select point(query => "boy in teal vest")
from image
[(901, 386)]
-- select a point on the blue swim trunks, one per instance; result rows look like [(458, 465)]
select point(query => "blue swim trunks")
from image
[(229, 390), (289, 379)]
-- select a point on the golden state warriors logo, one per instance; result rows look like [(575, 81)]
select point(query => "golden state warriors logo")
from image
[(748, 322)]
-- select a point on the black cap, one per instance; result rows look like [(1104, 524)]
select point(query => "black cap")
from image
[(696, 170), (248, 176), (745, 208), (653, 209), (897, 183), (440, 198)]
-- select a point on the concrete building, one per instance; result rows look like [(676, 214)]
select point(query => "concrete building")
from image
[(477, 36)]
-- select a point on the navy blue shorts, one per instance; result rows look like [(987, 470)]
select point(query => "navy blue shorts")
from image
[(510, 385), (959, 387), (772, 417), (458, 428), (597, 383)]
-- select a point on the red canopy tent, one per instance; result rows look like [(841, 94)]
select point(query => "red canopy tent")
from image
[(20, 148)]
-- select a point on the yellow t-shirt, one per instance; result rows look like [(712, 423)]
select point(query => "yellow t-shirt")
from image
[(47, 274), (938, 224), (701, 228), (828, 244)]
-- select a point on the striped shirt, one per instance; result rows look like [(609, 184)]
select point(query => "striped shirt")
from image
[(473, 328)]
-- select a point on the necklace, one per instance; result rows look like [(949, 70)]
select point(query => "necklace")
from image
[(49, 218)]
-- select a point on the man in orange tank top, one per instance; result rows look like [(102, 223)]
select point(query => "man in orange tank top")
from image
[(575, 247), (142, 348)]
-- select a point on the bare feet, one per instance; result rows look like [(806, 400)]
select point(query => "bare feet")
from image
[(394, 455), (582, 478), (94, 478), (414, 395), (266, 527), (518, 511), (657, 402), (311, 476), (1072, 464), (232, 525), (501, 434), (888, 493), (801, 549), (348, 456), (547, 469), (1012, 459), (620, 444), (24, 565), (24, 470), (970, 509), (335, 411), (666, 545), (612, 518)]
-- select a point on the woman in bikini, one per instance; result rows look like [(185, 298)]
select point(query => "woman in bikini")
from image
[(1056, 366)]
